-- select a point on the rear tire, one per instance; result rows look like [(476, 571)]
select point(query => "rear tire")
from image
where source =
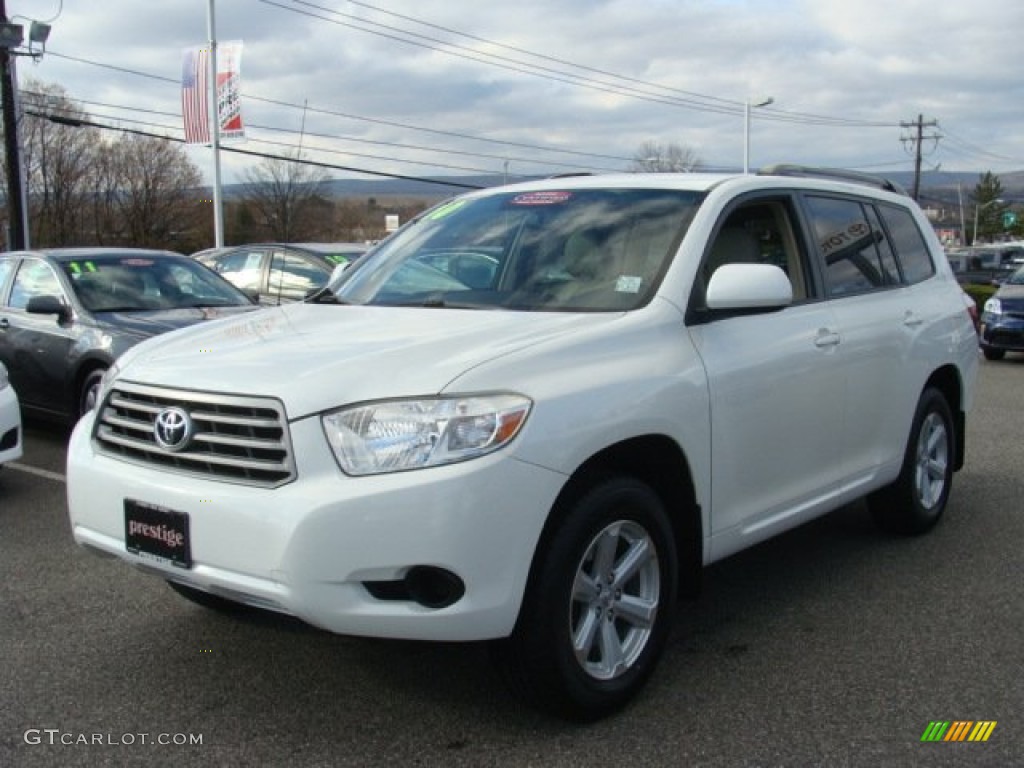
[(914, 503), (599, 606)]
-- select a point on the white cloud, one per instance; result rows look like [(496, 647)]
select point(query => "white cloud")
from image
[(870, 61)]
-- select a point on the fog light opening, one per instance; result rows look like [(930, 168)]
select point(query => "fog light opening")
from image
[(434, 587)]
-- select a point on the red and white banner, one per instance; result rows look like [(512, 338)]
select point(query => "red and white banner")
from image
[(195, 90)]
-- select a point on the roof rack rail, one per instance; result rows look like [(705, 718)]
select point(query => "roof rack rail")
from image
[(856, 177), (570, 174)]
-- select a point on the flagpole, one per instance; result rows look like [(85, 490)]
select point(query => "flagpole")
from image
[(214, 110)]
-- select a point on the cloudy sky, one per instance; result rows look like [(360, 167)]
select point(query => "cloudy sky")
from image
[(447, 87)]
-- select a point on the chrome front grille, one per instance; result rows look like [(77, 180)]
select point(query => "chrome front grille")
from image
[(234, 439)]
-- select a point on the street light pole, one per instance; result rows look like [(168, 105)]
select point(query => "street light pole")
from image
[(978, 208), (746, 129)]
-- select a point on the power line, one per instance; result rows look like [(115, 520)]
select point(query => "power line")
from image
[(79, 122), (350, 116), (974, 149), (336, 137)]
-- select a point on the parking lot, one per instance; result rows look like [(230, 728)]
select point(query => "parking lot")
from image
[(831, 645)]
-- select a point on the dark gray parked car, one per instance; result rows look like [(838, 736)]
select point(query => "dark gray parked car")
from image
[(66, 314), (1002, 321)]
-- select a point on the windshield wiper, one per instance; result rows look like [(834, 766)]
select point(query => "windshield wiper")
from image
[(439, 303)]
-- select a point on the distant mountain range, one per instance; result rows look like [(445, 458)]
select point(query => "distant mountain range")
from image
[(947, 186)]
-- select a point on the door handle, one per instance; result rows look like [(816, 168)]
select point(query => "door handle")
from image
[(4, 323), (826, 338), (911, 320)]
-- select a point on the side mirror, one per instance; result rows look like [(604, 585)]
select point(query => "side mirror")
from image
[(748, 288), (48, 305)]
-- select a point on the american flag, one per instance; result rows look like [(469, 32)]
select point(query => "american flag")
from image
[(195, 95)]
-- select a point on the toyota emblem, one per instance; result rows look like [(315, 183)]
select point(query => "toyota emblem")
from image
[(173, 429)]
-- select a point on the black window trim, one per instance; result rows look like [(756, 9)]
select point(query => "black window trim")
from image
[(697, 314), (818, 260)]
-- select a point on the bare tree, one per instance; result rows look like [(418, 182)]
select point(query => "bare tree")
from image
[(58, 159), (148, 194), (654, 157), (285, 195), (85, 190)]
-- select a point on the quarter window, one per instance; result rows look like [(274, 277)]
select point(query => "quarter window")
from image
[(911, 248)]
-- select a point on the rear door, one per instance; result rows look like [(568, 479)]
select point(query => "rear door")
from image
[(883, 321)]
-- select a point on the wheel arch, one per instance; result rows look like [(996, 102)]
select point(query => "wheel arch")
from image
[(948, 381), (659, 462), (85, 367)]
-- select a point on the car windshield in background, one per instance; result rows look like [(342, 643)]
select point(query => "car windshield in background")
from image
[(1017, 278), (546, 250), (334, 253), (127, 283)]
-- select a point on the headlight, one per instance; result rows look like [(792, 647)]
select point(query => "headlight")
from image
[(4, 381), (993, 306), (395, 435)]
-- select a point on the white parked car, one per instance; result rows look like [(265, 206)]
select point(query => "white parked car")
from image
[(533, 415), (10, 420)]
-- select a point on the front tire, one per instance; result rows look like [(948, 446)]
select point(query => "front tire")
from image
[(994, 354), (89, 391), (914, 503), (599, 605)]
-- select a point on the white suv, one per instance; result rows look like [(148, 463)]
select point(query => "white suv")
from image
[(10, 420), (533, 414)]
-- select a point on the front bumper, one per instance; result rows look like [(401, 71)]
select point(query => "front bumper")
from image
[(315, 547), (1003, 332)]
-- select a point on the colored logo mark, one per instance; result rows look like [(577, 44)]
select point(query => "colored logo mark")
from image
[(958, 730)]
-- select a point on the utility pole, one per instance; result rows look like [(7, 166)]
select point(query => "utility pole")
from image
[(15, 198), (916, 139)]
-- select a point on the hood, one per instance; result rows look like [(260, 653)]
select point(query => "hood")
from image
[(316, 357), (1010, 291), (154, 322)]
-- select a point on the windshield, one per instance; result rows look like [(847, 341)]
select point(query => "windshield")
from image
[(1017, 278), (571, 250), (144, 282)]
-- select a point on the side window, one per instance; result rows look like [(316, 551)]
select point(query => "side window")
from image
[(243, 268), (292, 277), (35, 278), (911, 248), (761, 232), (848, 246)]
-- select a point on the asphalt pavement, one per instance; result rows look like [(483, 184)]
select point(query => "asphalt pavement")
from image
[(833, 645)]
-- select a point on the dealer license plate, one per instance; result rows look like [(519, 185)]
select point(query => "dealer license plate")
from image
[(157, 533)]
